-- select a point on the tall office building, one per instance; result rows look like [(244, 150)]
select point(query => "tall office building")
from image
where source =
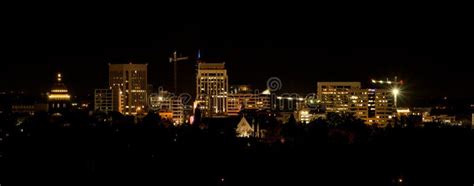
[(107, 100), (131, 80), (374, 106), (59, 99), (211, 89), (335, 96)]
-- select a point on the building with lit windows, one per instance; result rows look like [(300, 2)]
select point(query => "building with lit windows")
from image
[(108, 100), (212, 89), (243, 97), (169, 106), (335, 96), (374, 106), (131, 80), (305, 116), (59, 100)]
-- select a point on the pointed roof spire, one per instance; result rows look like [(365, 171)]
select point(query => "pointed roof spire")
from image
[(243, 128)]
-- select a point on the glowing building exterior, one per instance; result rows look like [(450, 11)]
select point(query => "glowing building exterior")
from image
[(212, 89), (131, 80), (59, 100)]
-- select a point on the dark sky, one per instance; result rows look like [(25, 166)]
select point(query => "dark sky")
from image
[(300, 55)]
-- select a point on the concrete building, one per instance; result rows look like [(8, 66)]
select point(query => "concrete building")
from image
[(335, 96), (212, 89), (103, 100), (131, 80), (374, 106), (59, 100)]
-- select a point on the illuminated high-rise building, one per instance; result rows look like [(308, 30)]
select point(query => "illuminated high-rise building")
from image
[(107, 100), (335, 96), (131, 80), (59, 100), (211, 89), (374, 106)]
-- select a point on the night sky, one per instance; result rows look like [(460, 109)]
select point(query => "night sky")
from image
[(296, 53)]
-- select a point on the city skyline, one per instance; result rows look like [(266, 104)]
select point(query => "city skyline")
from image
[(161, 72), (280, 100)]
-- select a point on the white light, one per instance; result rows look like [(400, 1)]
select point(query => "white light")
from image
[(395, 91)]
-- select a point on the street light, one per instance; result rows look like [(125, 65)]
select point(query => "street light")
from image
[(395, 92)]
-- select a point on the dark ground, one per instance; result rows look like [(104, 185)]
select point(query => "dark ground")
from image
[(109, 156)]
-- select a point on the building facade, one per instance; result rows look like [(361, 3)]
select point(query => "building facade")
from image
[(212, 89), (131, 80), (335, 96), (374, 106), (243, 97), (59, 100), (103, 100)]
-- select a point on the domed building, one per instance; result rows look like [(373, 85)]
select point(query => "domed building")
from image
[(59, 100)]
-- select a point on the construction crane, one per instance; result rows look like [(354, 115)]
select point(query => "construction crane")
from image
[(395, 82), (174, 59)]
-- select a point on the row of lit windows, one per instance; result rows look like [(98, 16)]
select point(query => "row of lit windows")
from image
[(58, 105), (59, 97), (346, 87), (58, 90), (342, 93)]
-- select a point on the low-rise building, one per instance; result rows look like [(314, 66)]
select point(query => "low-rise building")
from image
[(168, 105)]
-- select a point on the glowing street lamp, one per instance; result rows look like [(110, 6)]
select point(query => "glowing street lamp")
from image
[(395, 92)]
